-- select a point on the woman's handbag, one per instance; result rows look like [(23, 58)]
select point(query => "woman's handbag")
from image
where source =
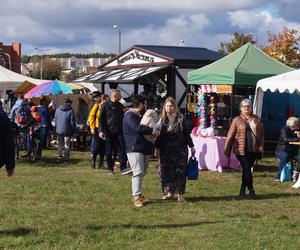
[(192, 168), (258, 155)]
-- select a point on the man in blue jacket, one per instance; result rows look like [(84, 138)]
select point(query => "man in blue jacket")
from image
[(137, 147), (65, 124), (45, 125)]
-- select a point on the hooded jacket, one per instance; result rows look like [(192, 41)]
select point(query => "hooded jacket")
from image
[(65, 122)]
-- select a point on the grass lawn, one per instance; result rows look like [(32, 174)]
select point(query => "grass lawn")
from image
[(46, 206)]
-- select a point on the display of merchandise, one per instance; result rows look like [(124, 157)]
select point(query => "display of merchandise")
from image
[(212, 117), (201, 110)]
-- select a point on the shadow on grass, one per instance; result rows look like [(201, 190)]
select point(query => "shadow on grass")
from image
[(51, 162), (264, 168), (21, 231), (155, 226), (236, 197)]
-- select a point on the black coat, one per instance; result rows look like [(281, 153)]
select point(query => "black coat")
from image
[(111, 118), (287, 136), (7, 145)]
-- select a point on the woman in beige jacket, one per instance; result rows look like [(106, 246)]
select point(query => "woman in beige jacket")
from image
[(246, 137)]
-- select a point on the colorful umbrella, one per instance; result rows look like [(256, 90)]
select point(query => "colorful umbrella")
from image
[(53, 88)]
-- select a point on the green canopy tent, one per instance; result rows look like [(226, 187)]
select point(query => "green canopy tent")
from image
[(240, 70), (245, 66)]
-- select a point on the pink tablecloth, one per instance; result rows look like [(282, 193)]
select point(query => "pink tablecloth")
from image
[(210, 154)]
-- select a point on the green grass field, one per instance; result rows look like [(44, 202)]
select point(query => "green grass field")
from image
[(46, 206)]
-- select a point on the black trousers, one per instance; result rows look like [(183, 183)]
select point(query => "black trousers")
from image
[(247, 162), (114, 143)]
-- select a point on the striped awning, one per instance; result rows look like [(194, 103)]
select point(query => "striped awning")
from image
[(120, 75)]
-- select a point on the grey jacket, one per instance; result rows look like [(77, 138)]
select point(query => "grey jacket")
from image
[(65, 122)]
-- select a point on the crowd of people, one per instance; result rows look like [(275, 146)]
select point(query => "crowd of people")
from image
[(118, 133)]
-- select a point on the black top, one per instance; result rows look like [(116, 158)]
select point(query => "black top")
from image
[(180, 136), (7, 145), (249, 138), (111, 118)]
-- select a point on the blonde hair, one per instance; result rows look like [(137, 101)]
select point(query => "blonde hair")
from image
[(292, 121), (171, 100)]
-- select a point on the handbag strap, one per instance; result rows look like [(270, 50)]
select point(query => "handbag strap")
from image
[(252, 132)]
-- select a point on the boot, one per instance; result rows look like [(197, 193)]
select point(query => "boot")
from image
[(252, 194), (243, 191), (101, 163), (93, 163)]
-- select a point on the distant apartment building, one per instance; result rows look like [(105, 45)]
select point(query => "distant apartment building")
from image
[(85, 65), (10, 56), (72, 63)]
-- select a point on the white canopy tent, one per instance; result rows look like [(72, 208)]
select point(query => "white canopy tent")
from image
[(11, 80), (284, 83)]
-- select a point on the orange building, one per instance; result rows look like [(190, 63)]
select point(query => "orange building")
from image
[(10, 56)]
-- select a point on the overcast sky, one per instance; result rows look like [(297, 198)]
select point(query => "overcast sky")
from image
[(86, 26)]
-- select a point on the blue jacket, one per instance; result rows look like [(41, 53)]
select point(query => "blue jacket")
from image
[(45, 117), (16, 107), (65, 122), (133, 134)]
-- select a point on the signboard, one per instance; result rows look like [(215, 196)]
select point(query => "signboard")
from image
[(135, 56), (215, 88)]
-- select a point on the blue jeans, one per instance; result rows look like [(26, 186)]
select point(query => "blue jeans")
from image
[(43, 139), (284, 157), (97, 146)]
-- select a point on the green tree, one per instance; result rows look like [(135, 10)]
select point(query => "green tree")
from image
[(74, 74), (284, 47), (51, 69), (236, 42)]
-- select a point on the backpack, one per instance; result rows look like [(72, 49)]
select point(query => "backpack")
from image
[(37, 116), (22, 116)]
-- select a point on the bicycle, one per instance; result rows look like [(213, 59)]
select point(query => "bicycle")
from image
[(34, 141), (20, 140)]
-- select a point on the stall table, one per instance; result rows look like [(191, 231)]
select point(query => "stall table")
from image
[(210, 154)]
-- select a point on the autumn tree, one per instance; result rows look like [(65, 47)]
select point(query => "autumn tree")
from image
[(284, 47), (51, 69), (236, 42)]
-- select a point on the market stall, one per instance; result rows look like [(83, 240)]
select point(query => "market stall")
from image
[(153, 70), (217, 89)]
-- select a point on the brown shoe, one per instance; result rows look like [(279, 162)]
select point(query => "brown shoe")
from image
[(137, 202), (143, 198)]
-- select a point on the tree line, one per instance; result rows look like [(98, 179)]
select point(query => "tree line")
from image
[(283, 47)]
